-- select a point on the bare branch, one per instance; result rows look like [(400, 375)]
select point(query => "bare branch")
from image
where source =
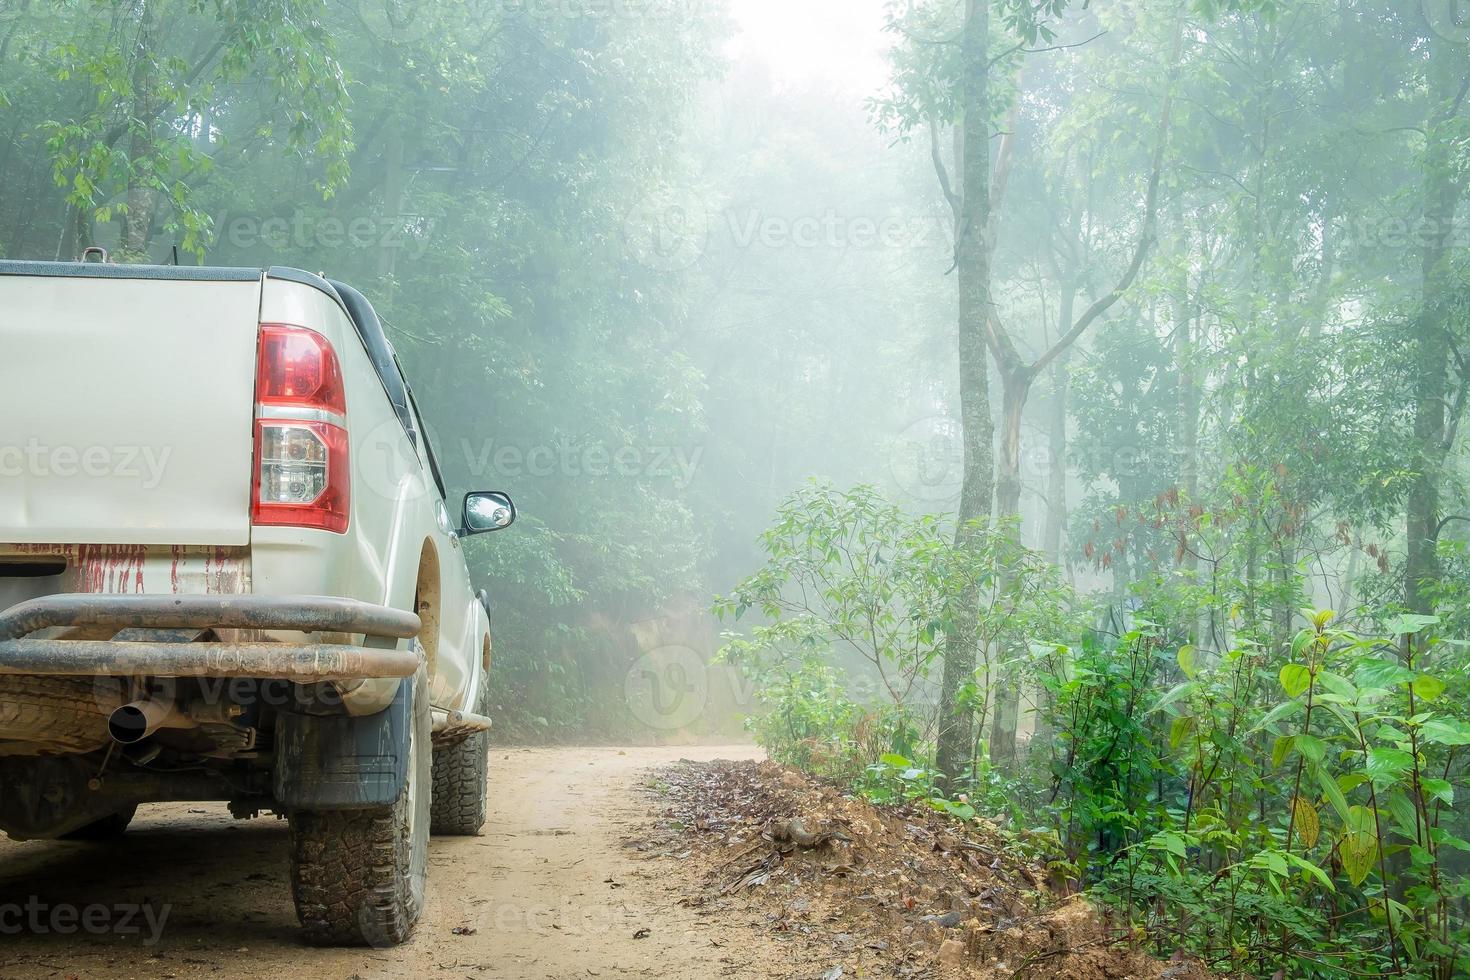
[(1063, 47), (999, 180), (1145, 233), (1005, 54), (942, 172), (1002, 348)]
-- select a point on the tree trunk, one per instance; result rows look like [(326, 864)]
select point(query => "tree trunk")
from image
[(1056, 495), (1015, 389), (138, 223), (1187, 431), (393, 162), (1441, 197), (972, 259), (1056, 455)]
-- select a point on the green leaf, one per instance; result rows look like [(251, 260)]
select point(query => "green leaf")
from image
[(1312, 748), (1282, 710), (1383, 674), (1186, 658), (1405, 815), (1359, 851), (1386, 765), (1172, 695), (1361, 820), (1440, 789), (1304, 819), (1169, 841), (1334, 795), (896, 761), (1295, 679), (1271, 861), (960, 811), (1312, 870), (1427, 687), (1444, 838), (1404, 625), (1445, 731), (1179, 731), (1337, 685), (1280, 749)]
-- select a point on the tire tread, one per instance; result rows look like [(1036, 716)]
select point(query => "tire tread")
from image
[(461, 781)]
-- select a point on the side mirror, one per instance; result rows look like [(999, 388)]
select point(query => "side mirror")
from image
[(486, 510)]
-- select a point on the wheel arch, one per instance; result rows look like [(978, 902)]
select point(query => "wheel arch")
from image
[(427, 595)]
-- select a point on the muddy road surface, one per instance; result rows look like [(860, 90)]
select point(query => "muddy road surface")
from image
[(549, 891)]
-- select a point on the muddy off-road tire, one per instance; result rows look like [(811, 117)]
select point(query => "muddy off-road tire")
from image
[(61, 714), (461, 780), (108, 828), (358, 875)]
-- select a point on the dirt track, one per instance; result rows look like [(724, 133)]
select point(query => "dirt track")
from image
[(549, 892)]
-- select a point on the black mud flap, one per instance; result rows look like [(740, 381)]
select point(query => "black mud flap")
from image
[(339, 762), (43, 798)]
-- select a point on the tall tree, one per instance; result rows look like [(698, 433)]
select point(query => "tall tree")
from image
[(1436, 342), (972, 263), (146, 90)]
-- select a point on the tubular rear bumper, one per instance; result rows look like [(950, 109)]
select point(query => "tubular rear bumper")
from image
[(132, 651)]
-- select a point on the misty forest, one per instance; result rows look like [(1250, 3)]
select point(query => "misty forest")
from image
[(1046, 412)]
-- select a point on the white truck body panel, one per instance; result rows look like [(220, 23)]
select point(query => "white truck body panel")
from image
[(128, 411)]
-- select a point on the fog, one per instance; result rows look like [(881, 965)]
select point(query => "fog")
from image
[(1021, 392)]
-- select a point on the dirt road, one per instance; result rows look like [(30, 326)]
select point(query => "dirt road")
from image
[(550, 891)]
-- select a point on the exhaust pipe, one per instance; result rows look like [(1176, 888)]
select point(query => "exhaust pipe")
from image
[(134, 722), (450, 726)]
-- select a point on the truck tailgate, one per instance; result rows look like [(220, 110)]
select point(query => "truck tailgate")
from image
[(126, 410)]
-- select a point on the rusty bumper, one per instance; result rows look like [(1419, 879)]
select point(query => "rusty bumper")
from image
[(129, 655)]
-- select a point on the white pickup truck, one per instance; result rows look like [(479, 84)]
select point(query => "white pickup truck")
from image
[(229, 572)]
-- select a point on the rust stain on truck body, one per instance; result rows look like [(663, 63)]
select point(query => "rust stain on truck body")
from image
[(143, 569)]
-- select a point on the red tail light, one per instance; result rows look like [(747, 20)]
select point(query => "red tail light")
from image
[(298, 367), (301, 474)]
